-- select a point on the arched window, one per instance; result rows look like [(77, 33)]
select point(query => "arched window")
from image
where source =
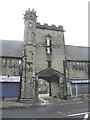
[(48, 42), (30, 24)]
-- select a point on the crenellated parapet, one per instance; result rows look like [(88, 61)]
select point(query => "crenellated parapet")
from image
[(49, 27), (30, 15)]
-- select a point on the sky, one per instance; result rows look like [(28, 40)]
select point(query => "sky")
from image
[(71, 14)]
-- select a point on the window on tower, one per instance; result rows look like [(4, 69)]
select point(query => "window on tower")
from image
[(30, 25), (49, 63), (48, 44)]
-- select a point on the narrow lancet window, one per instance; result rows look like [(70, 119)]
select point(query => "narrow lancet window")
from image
[(30, 25), (48, 44)]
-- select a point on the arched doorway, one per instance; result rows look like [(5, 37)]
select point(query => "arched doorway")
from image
[(43, 86), (43, 89), (54, 78)]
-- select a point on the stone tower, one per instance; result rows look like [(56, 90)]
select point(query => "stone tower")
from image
[(43, 56), (28, 88)]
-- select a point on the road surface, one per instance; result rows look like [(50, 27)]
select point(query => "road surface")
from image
[(64, 111)]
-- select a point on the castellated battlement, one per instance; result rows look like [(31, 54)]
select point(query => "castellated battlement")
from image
[(30, 11), (30, 14), (49, 27)]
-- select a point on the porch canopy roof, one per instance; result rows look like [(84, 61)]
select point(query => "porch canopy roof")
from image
[(48, 72)]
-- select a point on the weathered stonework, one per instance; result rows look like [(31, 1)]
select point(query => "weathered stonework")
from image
[(10, 66), (35, 55), (31, 60)]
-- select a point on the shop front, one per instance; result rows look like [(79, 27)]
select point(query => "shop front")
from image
[(79, 86), (9, 86)]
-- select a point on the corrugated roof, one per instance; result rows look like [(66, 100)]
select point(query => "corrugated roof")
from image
[(11, 48)]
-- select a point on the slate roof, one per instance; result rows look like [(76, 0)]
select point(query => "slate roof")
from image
[(79, 53), (11, 48)]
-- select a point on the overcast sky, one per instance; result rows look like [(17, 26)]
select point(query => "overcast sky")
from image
[(71, 14)]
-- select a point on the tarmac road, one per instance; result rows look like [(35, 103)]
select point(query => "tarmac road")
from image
[(63, 111)]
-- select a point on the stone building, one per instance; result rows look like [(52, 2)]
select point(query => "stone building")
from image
[(43, 54)]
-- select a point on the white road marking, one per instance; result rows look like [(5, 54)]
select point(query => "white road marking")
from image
[(79, 114), (86, 116)]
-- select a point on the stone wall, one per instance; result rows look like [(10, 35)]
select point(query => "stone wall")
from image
[(78, 69), (58, 51), (10, 66)]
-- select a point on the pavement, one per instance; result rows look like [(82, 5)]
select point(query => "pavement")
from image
[(43, 100)]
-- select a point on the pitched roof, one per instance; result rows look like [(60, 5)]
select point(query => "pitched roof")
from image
[(79, 53), (11, 48)]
